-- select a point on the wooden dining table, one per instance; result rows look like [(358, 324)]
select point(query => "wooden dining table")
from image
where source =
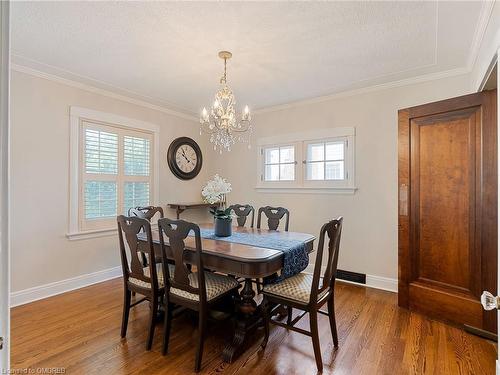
[(245, 261)]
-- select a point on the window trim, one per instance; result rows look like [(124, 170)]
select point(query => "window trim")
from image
[(301, 184), (77, 115)]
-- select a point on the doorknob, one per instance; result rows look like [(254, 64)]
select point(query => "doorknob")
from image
[(489, 301)]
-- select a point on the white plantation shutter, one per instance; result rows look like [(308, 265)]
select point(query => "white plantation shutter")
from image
[(101, 152), (100, 199), (116, 173), (136, 156), (136, 194)]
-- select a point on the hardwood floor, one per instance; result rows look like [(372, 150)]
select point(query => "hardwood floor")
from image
[(80, 331)]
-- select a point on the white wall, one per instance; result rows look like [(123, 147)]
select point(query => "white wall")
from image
[(41, 253), (369, 239)]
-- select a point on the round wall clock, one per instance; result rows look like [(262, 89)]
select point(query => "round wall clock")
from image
[(184, 158)]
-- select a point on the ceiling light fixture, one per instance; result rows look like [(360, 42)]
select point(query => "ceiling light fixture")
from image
[(221, 122)]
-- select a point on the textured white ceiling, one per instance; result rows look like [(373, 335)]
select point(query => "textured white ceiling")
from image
[(166, 52)]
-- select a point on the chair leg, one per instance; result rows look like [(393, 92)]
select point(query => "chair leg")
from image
[(333, 324), (166, 327), (289, 315), (153, 312), (202, 322), (313, 319), (265, 318), (126, 309)]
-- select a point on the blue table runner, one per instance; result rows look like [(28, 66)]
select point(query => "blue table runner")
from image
[(295, 257)]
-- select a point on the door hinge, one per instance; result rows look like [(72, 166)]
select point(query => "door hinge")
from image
[(1, 343)]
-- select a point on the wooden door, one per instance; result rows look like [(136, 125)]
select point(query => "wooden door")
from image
[(448, 208)]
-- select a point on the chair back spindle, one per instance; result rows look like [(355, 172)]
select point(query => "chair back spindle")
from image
[(274, 215), (176, 231)]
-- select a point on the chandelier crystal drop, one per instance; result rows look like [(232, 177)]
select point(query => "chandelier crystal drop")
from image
[(220, 121)]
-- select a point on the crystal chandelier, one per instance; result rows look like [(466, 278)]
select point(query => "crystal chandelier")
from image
[(221, 122)]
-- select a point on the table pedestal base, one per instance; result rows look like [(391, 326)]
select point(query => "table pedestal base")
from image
[(247, 319)]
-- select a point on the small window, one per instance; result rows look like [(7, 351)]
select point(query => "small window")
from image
[(309, 162), (279, 163), (325, 161)]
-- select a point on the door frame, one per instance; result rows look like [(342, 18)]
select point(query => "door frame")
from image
[(497, 61), (4, 183), (488, 197)]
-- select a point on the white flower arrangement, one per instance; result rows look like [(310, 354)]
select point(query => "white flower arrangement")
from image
[(215, 190)]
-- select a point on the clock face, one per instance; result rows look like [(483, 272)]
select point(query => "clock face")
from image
[(184, 158)]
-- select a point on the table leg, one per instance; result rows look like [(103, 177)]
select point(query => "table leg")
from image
[(247, 318)]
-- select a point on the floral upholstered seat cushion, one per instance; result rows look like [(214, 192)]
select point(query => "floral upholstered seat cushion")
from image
[(297, 288), (215, 285)]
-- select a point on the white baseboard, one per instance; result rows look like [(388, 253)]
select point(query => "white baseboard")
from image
[(372, 281), (498, 367), (39, 292), (384, 283)]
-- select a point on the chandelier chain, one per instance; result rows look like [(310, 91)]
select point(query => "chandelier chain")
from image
[(224, 77)]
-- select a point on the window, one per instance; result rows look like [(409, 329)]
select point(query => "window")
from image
[(307, 161), (279, 163), (325, 161), (112, 169), (115, 174)]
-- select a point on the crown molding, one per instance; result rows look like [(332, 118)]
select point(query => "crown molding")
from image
[(105, 92), (484, 20), (368, 89)]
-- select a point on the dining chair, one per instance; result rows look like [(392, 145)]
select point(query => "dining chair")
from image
[(146, 212), (242, 211), (304, 292), (274, 215), (198, 290), (146, 281)]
